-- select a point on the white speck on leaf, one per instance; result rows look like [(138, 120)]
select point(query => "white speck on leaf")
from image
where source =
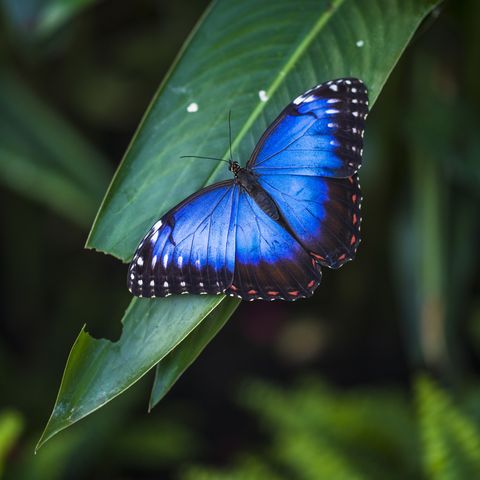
[(192, 108), (360, 43), (262, 95)]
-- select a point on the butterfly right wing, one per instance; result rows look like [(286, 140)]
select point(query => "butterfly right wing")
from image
[(191, 249), (269, 263)]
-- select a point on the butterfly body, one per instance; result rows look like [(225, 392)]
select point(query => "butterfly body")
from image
[(266, 233), (249, 182)]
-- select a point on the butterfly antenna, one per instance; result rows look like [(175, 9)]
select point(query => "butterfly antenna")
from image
[(230, 133), (206, 158)]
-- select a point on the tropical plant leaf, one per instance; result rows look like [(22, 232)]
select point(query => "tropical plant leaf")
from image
[(169, 370), (238, 56), (99, 370)]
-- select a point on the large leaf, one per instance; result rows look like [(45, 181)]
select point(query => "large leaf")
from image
[(239, 50), (99, 370), (170, 369)]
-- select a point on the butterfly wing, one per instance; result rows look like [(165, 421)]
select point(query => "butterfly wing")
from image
[(319, 134), (307, 162), (269, 263), (191, 249)]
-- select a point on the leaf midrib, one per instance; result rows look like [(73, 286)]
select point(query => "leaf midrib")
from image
[(283, 72)]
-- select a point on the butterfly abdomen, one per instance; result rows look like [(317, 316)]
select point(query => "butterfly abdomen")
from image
[(249, 182)]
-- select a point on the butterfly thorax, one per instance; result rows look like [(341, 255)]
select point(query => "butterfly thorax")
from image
[(248, 181)]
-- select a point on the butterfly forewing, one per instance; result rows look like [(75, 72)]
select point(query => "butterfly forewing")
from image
[(191, 249), (319, 134)]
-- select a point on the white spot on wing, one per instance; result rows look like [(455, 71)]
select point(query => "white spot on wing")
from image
[(182, 284), (140, 282), (154, 237), (180, 261), (333, 87), (331, 111), (262, 95), (157, 225), (165, 260), (165, 284), (140, 261), (192, 108), (154, 261), (152, 283)]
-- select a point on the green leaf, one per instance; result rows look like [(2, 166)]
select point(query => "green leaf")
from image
[(169, 370), (99, 370), (238, 50), (45, 159)]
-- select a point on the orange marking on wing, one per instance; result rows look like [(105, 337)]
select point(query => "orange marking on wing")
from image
[(354, 198), (311, 284), (342, 257), (354, 218), (273, 293), (318, 257), (294, 293), (353, 240), (233, 287), (350, 179), (252, 292)]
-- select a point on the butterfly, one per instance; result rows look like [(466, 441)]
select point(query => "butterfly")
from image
[(266, 233)]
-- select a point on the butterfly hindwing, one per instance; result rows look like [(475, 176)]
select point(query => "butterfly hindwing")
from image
[(323, 212), (191, 249), (269, 262), (319, 134)]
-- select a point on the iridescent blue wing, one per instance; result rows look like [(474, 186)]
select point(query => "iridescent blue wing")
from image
[(269, 263), (191, 249), (319, 134), (307, 160)]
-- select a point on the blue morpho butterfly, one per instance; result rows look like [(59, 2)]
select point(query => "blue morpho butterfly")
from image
[(266, 233)]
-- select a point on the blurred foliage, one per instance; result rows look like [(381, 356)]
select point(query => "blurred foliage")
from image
[(73, 87), (313, 431), (11, 425), (37, 18)]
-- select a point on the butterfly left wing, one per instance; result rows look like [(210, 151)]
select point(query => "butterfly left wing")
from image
[(307, 162), (219, 240), (191, 249)]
